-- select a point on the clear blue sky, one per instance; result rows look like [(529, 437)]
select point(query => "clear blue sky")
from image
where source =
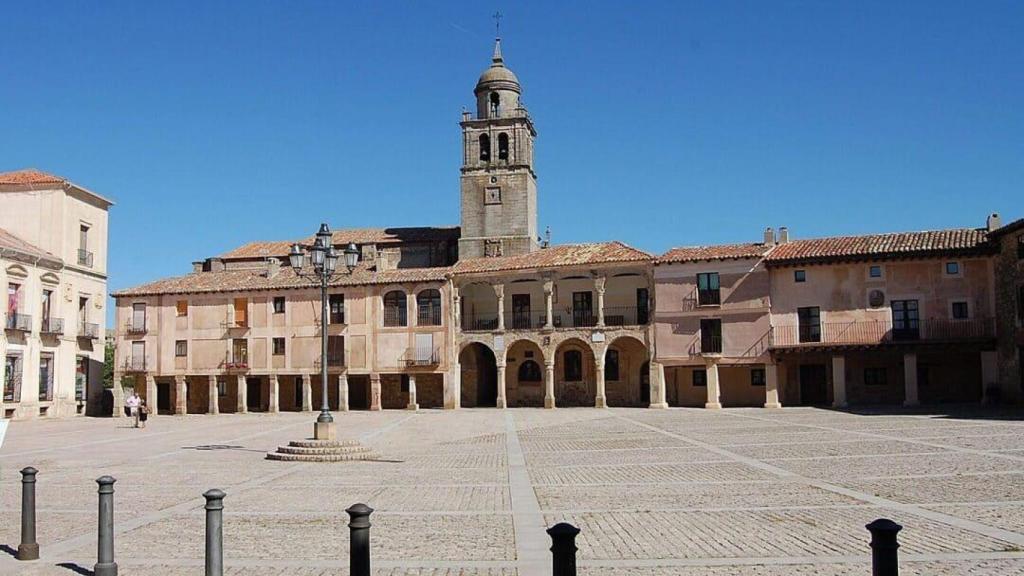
[(660, 124)]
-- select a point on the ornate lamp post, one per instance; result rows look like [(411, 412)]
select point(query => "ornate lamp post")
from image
[(323, 264)]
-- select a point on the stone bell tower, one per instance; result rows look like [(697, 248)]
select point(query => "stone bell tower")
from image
[(499, 186)]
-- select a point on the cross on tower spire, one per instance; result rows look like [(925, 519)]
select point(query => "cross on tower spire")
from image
[(497, 24)]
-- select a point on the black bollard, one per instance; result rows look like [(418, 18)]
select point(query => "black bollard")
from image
[(884, 547), (29, 548), (214, 532), (359, 534), (563, 549), (105, 565)]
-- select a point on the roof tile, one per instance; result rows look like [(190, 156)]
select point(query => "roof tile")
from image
[(29, 176), (892, 245), (561, 255), (719, 252)]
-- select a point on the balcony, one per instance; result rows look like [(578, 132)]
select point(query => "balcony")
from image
[(84, 258), (237, 361), (626, 316), (52, 326), (18, 322), (874, 332), (709, 297), (88, 330), (395, 317), (334, 360), (526, 319), (132, 364), (133, 328), (414, 357), (480, 322)]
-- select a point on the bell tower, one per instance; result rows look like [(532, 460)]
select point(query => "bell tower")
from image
[(499, 186)]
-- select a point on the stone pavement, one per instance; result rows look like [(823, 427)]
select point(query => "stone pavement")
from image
[(655, 492)]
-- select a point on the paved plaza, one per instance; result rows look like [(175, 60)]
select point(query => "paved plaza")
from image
[(469, 492)]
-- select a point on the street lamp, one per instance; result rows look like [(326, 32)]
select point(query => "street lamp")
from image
[(323, 260)]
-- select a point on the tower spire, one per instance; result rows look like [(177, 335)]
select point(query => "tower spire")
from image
[(496, 58)]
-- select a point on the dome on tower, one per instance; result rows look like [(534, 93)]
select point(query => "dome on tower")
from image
[(498, 76)]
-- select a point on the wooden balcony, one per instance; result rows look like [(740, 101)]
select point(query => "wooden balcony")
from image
[(878, 332)]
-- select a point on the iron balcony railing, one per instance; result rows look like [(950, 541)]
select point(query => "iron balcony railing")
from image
[(582, 318), (422, 357), (134, 364), (626, 315), (709, 297), (88, 330), (335, 359), (883, 331), (134, 327), (395, 317), (526, 319), (480, 322), (428, 315), (18, 322), (84, 258), (52, 326)]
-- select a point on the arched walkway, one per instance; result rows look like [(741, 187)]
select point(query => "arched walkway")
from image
[(625, 363), (479, 376), (574, 374), (524, 374)]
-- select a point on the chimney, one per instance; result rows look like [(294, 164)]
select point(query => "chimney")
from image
[(197, 266), (273, 267), (769, 236), (993, 222), (783, 235), (214, 264)]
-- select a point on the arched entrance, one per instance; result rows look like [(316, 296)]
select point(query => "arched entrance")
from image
[(524, 374), (479, 376), (574, 374), (623, 360)]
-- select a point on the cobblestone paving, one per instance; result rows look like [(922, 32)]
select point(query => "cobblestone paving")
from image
[(680, 492)]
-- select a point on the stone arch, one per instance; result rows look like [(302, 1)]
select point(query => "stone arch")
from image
[(524, 386), (575, 373), (479, 376), (625, 361)]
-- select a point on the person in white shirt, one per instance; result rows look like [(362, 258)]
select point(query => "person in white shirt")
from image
[(132, 403)]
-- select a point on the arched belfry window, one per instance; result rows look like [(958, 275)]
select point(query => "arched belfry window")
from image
[(503, 146), (495, 102), (485, 147)]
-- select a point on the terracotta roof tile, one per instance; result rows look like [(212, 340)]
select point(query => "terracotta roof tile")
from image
[(555, 256), (261, 249), (11, 242), (893, 245), (29, 176), (719, 252)]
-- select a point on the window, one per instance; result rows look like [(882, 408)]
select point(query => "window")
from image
[(394, 309), (222, 388), (503, 146), (875, 272), (583, 309), (611, 365), (959, 310), (138, 322), (757, 377), (1020, 247), (83, 309), (335, 350), (336, 304), (573, 371), (711, 336), (240, 352), (84, 255), (809, 319), (708, 293), (12, 378), (700, 377), (905, 315), (45, 376), (45, 310), (875, 377), (241, 309), (952, 268), (529, 371), (521, 312), (180, 348), (279, 304), (81, 377), (182, 307), (799, 275), (485, 147), (495, 101), (277, 344), (643, 306), (428, 308)]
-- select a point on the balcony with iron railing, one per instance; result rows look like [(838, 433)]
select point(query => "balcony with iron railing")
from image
[(709, 297), (480, 322), (428, 316), (421, 357), (872, 332), (134, 327), (335, 359), (88, 330), (237, 361), (526, 319), (395, 317), (706, 345), (52, 326), (135, 364), (18, 322), (85, 258)]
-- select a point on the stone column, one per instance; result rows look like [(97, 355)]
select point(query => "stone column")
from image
[(502, 398), (151, 394), (838, 381), (180, 396), (600, 400), (412, 405), (242, 399), (771, 386), (549, 384), (213, 402), (118, 393), (910, 379), (307, 393), (713, 389), (375, 391), (274, 402), (549, 290), (656, 381), (343, 392), (499, 291), (599, 284), (457, 307), (453, 387)]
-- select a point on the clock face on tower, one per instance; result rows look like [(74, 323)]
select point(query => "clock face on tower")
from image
[(492, 195)]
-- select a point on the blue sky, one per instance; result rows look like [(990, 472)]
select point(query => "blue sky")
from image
[(660, 124)]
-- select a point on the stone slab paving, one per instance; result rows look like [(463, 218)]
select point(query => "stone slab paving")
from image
[(679, 492)]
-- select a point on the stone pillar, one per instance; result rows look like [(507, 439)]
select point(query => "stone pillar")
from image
[(499, 291), (453, 387), (656, 380), (599, 284), (457, 307), (274, 402), (151, 394), (989, 373), (375, 391), (180, 396), (213, 402), (307, 393), (118, 393), (412, 405), (713, 388), (549, 384), (343, 392), (838, 381), (242, 399), (549, 304), (910, 379), (502, 398), (600, 399), (771, 386)]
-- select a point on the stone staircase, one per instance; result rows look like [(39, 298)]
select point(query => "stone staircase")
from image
[(322, 451)]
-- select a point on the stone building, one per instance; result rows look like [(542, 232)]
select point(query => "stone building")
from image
[(53, 263), (1009, 297)]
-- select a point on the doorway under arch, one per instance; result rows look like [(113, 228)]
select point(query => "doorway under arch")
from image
[(479, 376)]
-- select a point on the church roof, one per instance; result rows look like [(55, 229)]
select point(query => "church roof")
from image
[(556, 256), (265, 249), (498, 75)]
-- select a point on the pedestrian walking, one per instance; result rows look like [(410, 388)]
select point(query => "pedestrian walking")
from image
[(132, 404), (143, 413)]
